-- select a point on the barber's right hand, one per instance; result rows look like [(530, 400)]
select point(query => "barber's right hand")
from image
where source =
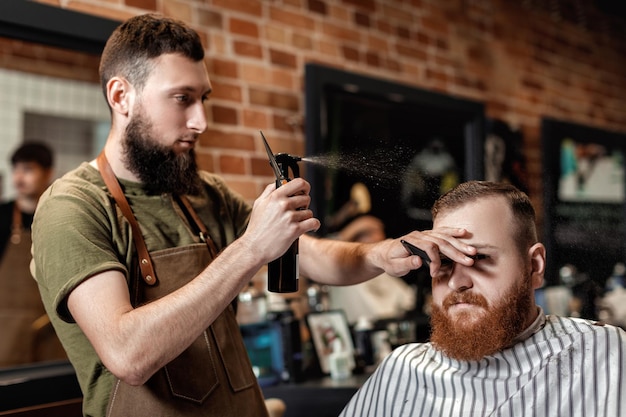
[(279, 216)]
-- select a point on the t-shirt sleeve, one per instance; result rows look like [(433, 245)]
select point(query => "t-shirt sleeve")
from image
[(73, 239)]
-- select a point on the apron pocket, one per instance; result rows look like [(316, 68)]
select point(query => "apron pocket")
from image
[(232, 351), (194, 384)]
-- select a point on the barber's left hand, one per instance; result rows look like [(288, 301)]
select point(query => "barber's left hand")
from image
[(394, 258)]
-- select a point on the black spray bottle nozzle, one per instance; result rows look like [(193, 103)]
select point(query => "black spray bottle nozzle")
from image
[(286, 161)]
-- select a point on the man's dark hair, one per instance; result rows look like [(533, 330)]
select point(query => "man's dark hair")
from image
[(36, 152), (519, 203), (135, 43)]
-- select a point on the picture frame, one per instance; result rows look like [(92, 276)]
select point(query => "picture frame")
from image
[(584, 199), (324, 327)]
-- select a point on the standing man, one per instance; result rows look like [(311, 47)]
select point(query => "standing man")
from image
[(138, 254), (492, 351), (22, 316)]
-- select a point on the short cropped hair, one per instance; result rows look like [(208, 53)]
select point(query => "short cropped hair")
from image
[(133, 45), (37, 152), (519, 203)]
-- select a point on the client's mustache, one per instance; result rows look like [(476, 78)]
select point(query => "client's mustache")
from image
[(464, 297)]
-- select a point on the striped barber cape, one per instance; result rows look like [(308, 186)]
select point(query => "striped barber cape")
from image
[(570, 367)]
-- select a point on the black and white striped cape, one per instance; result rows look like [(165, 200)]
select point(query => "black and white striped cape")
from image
[(570, 367)]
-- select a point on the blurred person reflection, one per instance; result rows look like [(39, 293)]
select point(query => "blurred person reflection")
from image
[(383, 297), (26, 334)]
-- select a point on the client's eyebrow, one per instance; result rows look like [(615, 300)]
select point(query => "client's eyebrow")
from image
[(447, 261)]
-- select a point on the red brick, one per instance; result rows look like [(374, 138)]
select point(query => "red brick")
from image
[(436, 75), (351, 54), (226, 91), (223, 68), (273, 99), (372, 59), (317, 6), (341, 32), (255, 73), (385, 27), (214, 138), (362, 19), (244, 27), (247, 188), (209, 19), (411, 52), (283, 77), (205, 160), (255, 119), (103, 10), (379, 43), (275, 33), (396, 14), (302, 42), (230, 164), (403, 32), (224, 115), (248, 49), (340, 14), (392, 65), (261, 167), (142, 4), (177, 9), (291, 19), (422, 38), (283, 122), (253, 7), (369, 5), (282, 58)]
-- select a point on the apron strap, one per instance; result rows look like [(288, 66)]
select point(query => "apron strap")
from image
[(202, 230), (145, 263)]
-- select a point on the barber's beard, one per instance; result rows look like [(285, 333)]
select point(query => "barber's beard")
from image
[(159, 168), (495, 330)]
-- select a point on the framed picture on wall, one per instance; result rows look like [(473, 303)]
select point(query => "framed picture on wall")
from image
[(585, 199), (326, 327)]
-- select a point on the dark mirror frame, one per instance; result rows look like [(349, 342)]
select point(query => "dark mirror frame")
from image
[(52, 26), (322, 82), (48, 25)]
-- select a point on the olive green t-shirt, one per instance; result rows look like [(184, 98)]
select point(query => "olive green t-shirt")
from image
[(78, 232)]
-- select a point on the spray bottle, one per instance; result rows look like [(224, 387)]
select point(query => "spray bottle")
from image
[(283, 273)]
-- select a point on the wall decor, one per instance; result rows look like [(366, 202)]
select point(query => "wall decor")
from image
[(584, 198), (326, 327)]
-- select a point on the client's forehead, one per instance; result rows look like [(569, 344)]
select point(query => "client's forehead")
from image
[(484, 217)]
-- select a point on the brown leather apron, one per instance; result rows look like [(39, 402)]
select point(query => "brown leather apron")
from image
[(26, 335), (213, 376)]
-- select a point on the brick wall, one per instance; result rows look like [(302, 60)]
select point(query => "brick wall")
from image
[(524, 59)]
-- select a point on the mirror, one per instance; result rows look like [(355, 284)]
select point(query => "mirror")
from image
[(50, 93)]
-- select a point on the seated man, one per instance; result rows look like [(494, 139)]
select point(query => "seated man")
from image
[(492, 350)]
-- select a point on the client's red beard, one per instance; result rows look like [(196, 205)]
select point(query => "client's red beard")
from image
[(492, 332)]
